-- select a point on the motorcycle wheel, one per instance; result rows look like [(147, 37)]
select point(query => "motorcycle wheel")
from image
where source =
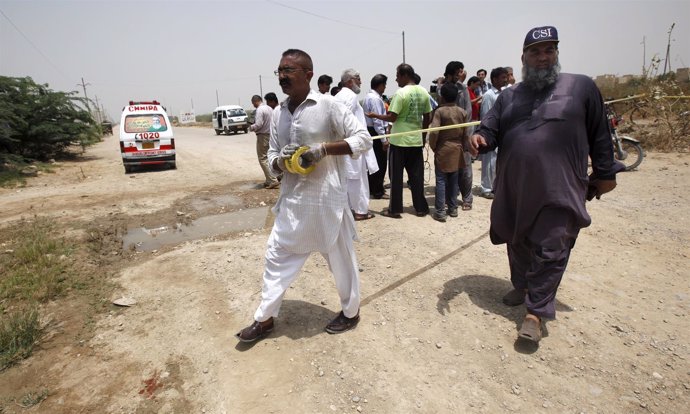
[(635, 153)]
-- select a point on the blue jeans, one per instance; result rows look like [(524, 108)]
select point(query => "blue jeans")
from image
[(446, 190), (465, 179)]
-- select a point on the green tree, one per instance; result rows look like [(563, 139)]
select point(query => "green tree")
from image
[(39, 123)]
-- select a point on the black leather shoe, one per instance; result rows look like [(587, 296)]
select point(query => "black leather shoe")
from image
[(514, 297), (255, 331), (342, 323)]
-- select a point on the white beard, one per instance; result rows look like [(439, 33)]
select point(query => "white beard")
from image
[(538, 79)]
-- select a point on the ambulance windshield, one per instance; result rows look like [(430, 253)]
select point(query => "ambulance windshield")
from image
[(145, 123)]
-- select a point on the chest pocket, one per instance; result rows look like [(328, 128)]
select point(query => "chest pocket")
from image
[(551, 110)]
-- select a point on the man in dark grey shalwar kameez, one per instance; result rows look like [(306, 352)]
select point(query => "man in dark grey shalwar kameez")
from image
[(546, 128)]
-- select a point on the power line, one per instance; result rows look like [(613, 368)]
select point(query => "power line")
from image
[(330, 19), (33, 45)]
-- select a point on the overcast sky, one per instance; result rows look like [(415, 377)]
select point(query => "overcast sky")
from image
[(181, 52)]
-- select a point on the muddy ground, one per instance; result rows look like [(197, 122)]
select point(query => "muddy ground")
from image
[(434, 337)]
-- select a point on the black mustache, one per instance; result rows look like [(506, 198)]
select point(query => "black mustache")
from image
[(284, 82)]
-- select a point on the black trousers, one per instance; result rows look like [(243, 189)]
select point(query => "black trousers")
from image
[(411, 159), (376, 179), (538, 262)]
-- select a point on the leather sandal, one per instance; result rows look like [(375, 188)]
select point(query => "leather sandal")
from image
[(255, 331), (365, 216), (530, 330)]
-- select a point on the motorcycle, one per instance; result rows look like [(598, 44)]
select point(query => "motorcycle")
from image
[(626, 149)]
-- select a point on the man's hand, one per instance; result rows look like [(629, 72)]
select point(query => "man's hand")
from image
[(315, 154), (476, 141), (287, 151), (597, 188)]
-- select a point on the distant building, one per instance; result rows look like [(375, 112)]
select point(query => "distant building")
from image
[(605, 81), (608, 81), (626, 78)]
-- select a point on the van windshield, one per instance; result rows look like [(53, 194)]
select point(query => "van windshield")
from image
[(236, 112), (145, 123)]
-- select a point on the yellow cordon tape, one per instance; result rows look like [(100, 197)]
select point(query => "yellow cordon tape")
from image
[(645, 95), (441, 128), (293, 165), (625, 99)]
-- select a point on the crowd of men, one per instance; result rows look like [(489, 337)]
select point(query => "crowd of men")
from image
[(535, 140)]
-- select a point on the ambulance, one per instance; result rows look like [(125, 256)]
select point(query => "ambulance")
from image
[(146, 136), (230, 118)]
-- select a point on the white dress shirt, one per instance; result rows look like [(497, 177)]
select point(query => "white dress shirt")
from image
[(311, 208)]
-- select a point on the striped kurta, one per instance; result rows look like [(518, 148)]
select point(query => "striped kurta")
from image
[(311, 208)]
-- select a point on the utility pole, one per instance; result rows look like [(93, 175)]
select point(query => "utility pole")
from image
[(668, 50), (403, 39), (106, 117), (261, 88), (99, 117), (217, 101), (86, 98), (644, 56), (192, 100)]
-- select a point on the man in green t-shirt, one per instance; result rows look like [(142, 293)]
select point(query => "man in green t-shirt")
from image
[(409, 111)]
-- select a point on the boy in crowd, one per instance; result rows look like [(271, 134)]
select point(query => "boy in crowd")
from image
[(448, 152)]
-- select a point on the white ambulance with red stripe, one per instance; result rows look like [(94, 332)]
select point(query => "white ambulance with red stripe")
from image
[(146, 136)]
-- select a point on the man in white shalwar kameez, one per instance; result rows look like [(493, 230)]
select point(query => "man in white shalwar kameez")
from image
[(357, 168), (312, 213)]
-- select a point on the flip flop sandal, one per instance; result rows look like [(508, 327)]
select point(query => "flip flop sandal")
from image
[(530, 330), (360, 217), (466, 206)]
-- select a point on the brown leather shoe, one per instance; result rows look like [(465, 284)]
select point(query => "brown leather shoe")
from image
[(514, 297), (255, 331), (342, 323)]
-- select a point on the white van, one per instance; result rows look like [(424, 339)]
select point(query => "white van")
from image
[(146, 135), (229, 118)]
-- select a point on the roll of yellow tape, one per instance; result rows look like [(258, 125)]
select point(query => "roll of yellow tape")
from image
[(293, 165), (288, 165)]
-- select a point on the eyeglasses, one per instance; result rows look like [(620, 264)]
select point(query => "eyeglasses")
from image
[(288, 71)]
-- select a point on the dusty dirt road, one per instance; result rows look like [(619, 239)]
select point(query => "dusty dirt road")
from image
[(434, 337)]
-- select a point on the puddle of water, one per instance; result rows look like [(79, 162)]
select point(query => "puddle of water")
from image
[(147, 239)]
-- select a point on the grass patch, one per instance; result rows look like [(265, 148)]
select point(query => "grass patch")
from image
[(34, 268), (35, 264), (19, 333), (32, 398), (11, 178), (11, 171)]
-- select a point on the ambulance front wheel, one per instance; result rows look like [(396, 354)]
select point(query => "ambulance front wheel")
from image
[(173, 165), (129, 169)]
